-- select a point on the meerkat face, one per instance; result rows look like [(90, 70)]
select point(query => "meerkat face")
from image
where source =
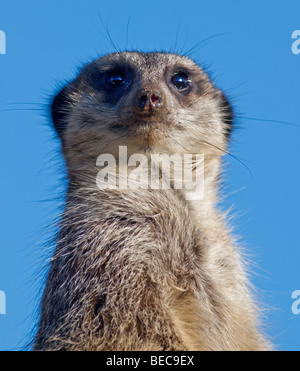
[(149, 102)]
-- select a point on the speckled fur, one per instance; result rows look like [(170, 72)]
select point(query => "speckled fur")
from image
[(144, 269)]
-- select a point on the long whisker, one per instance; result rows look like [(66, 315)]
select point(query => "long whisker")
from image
[(108, 35), (127, 31), (268, 121), (21, 109), (231, 155), (222, 151), (177, 35), (199, 45), (21, 103)]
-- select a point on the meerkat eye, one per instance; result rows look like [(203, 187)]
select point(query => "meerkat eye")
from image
[(181, 81), (115, 79)]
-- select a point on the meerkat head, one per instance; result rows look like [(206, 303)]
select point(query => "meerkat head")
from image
[(149, 102)]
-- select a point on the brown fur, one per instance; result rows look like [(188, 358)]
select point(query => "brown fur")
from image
[(144, 269)]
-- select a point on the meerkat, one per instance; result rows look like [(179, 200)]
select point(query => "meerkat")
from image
[(144, 269)]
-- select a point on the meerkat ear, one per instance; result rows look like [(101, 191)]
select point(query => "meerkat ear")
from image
[(60, 108), (228, 116)]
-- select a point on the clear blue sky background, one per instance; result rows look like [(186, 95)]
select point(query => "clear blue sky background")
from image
[(252, 61)]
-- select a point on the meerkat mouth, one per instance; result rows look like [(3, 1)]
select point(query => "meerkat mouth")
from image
[(143, 127)]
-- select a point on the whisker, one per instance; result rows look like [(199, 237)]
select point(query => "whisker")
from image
[(21, 109), (268, 121), (231, 155), (127, 30), (108, 35), (21, 103), (177, 35), (222, 151), (194, 48)]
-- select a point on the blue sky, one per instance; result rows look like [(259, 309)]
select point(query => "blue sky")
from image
[(248, 53)]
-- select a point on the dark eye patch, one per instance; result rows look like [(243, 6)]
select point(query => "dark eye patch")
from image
[(111, 81), (116, 78), (109, 78)]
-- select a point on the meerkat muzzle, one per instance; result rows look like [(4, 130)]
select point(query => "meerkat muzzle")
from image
[(148, 102)]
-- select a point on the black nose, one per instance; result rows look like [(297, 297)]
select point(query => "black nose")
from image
[(148, 101)]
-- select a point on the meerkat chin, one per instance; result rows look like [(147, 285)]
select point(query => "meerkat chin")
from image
[(146, 268)]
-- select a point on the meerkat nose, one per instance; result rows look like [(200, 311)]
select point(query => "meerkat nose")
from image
[(148, 101)]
